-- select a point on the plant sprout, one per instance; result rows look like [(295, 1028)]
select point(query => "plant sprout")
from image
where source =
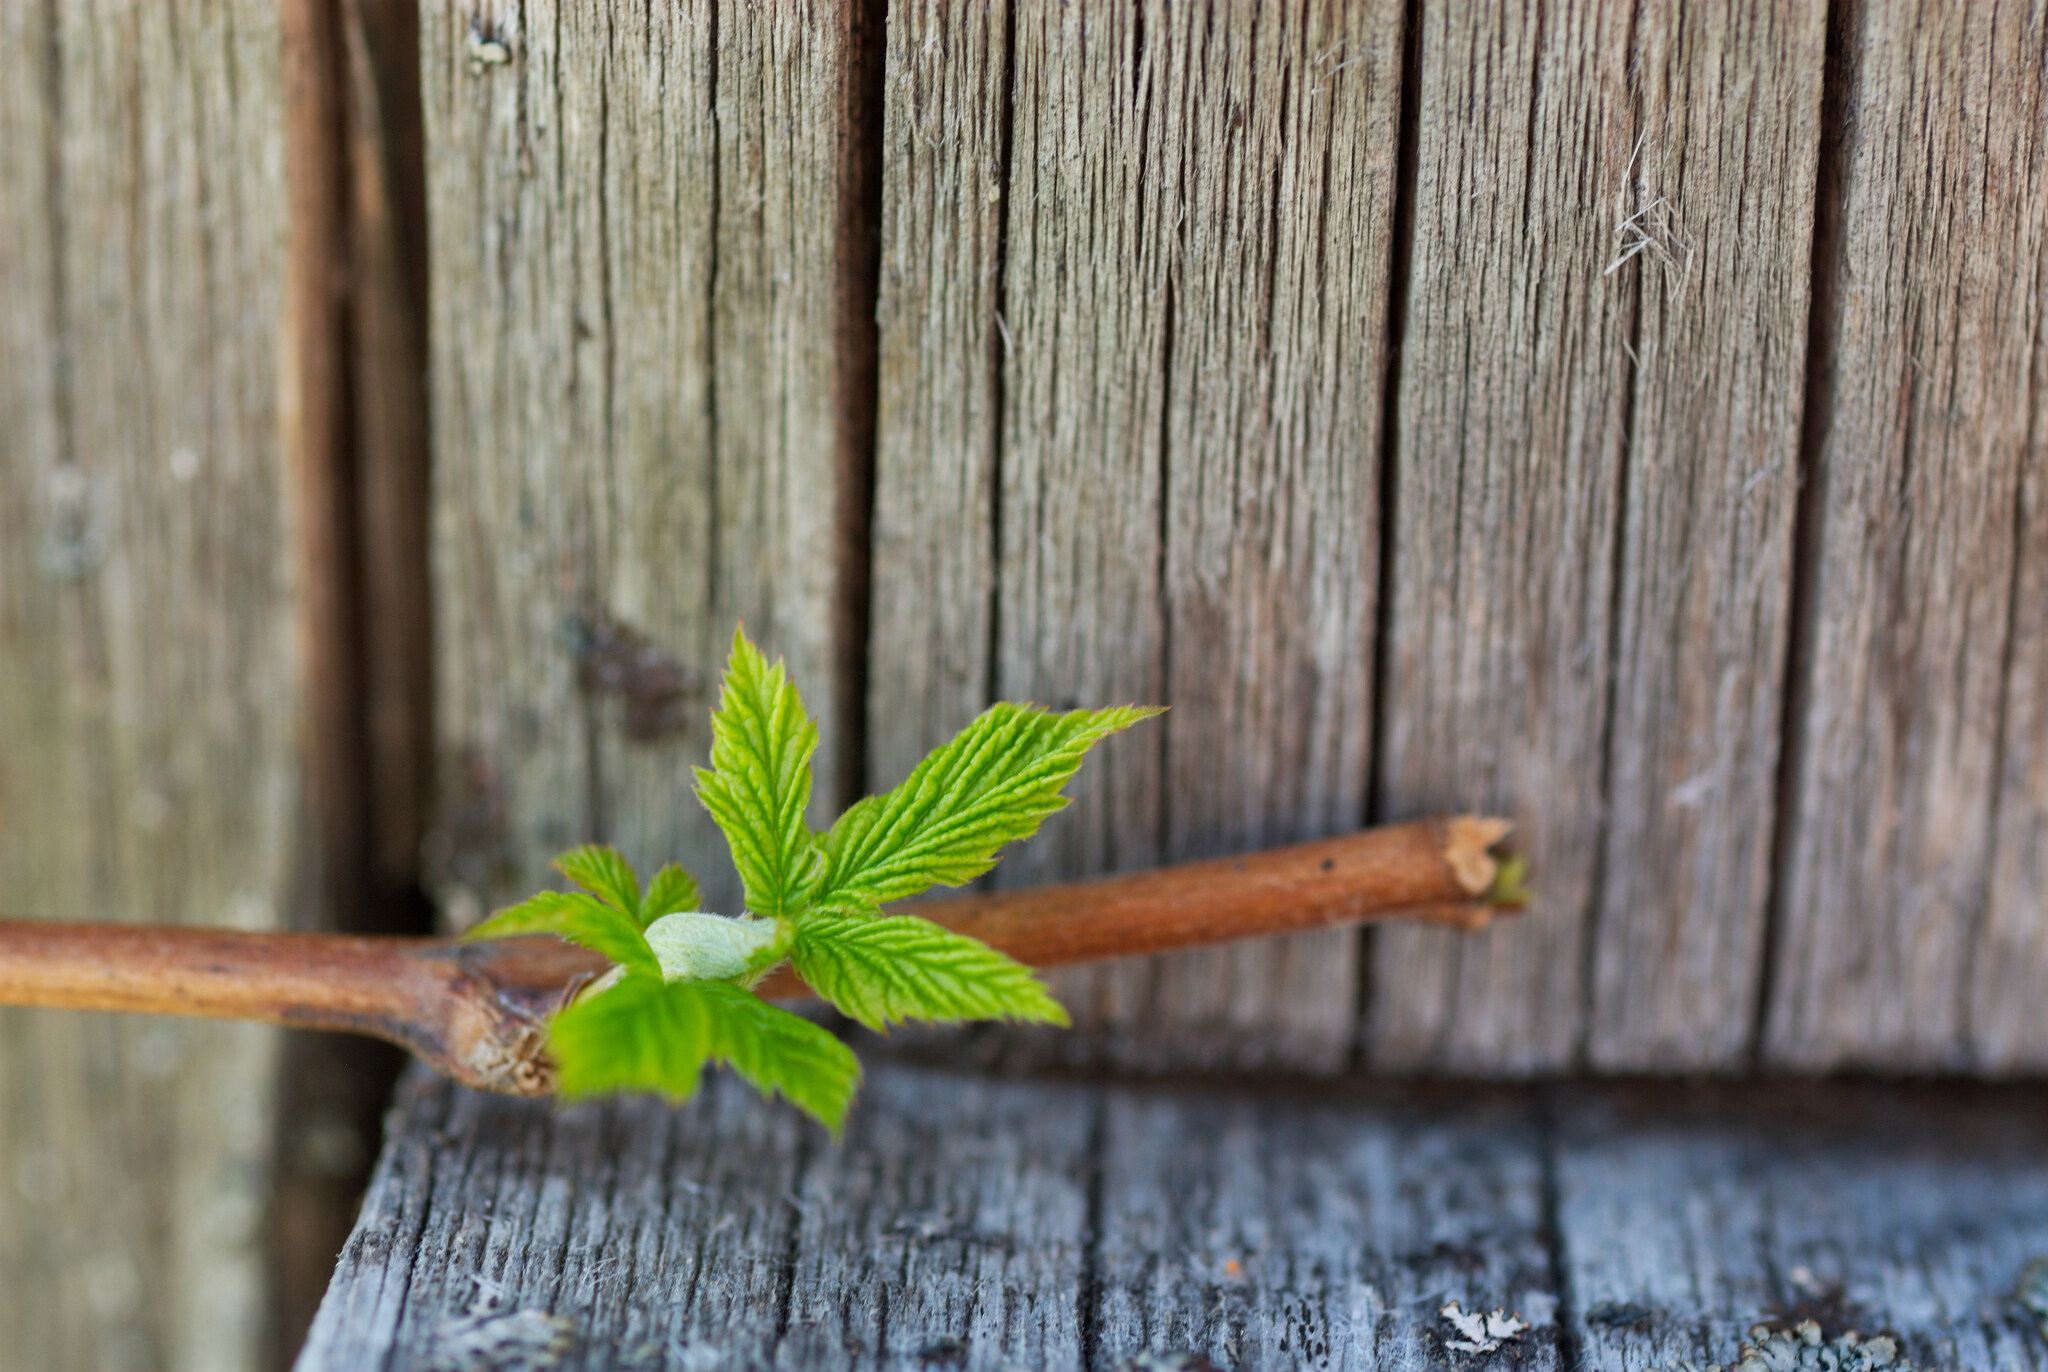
[(678, 996)]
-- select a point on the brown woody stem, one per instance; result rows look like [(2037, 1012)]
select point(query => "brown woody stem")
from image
[(477, 1012), (1434, 870)]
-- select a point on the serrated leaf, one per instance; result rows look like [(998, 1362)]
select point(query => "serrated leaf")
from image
[(646, 1036), (602, 871), (781, 1052), (581, 919), (885, 970), (759, 782), (672, 891), (995, 782)]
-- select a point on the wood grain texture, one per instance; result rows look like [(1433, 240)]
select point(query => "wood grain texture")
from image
[(1060, 1224), (1935, 336), (1318, 1233), (1130, 500), (951, 1228), (1716, 218), (2010, 958), (651, 1237), (1288, 125), (963, 1223), (1511, 434), (1914, 1213), (945, 112), (640, 402), (148, 675)]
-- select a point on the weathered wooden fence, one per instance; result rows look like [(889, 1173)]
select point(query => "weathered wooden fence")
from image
[(1632, 416)]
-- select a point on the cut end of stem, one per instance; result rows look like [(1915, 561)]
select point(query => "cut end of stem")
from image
[(1469, 841)]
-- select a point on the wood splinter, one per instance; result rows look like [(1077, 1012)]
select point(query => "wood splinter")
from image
[(477, 1012)]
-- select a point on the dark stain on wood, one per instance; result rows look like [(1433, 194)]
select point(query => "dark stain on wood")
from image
[(615, 661)]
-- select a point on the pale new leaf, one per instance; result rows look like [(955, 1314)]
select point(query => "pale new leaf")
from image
[(673, 891)]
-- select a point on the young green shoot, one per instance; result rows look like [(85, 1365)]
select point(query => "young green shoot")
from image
[(679, 997)]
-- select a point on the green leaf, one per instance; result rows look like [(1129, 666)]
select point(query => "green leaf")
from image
[(640, 1035), (582, 920), (993, 783), (673, 891), (644, 1035), (781, 1052), (759, 781), (600, 870), (882, 970)]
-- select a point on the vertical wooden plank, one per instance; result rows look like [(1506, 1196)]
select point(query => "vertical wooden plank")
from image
[(148, 678), (1510, 440), (2008, 1033), (1093, 182), (1272, 501), (1717, 222), (1935, 335), (569, 348), (646, 415), (1176, 302), (793, 339), (1094, 185), (941, 334)]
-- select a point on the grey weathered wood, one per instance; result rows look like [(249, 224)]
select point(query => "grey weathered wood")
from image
[(963, 1222), (641, 400), (1917, 1211), (952, 1227), (1080, 618), (148, 674), (1509, 450), (1050, 1224), (1103, 497), (1936, 335), (647, 1237), (1288, 124), (1317, 1232), (932, 616), (1719, 214)]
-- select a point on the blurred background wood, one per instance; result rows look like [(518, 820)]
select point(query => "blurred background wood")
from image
[(1134, 270), (1634, 418), (1891, 951), (150, 690), (651, 410)]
